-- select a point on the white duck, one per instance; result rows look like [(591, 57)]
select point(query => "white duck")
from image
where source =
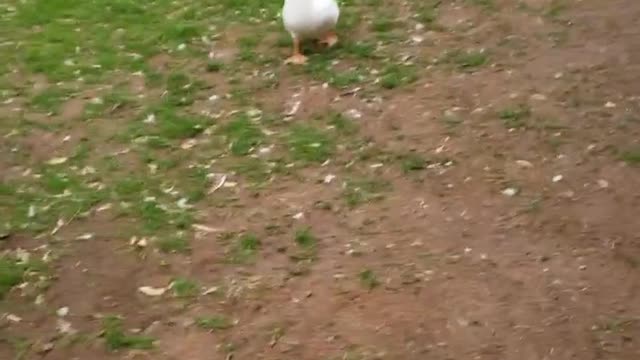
[(310, 19)]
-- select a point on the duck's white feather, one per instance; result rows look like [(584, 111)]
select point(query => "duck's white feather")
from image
[(306, 19)]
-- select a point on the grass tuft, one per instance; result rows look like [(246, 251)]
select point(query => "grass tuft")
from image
[(116, 338)]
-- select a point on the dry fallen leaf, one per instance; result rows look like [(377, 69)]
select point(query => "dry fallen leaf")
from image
[(510, 191), (64, 327), (524, 164), (204, 228), (329, 178), (151, 291), (63, 311), (220, 183), (57, 160), (14, 318)]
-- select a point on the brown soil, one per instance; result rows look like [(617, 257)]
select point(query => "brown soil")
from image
[(465, 271)]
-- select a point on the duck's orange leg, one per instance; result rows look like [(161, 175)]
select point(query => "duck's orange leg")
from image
[(330, 39), (297, 57)]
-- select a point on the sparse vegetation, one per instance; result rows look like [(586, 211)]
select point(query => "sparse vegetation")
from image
[(360, 191), (368, 279), (245, 248), (515, 117), (11, 274), (467, 59), (184, 288), (213, 323), (631, 156), (116, 338), (309, 144)]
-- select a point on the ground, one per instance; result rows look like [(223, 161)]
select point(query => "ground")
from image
[(453, 180)]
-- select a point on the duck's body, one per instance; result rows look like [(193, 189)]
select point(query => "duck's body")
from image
[(310, 19)]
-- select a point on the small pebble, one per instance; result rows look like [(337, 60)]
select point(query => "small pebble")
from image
[(354, 114), (610, 105), (63, 311), (510, 191), (569, 194), (557, 178), (39, 299), (603, 183), (417, 39), (46, 348)]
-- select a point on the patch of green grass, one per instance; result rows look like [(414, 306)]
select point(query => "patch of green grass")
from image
[(360, 49), (307, 247), (173, 244), (117, 98), (396, 75), (469, 60), (253, 169), (305, 238), (242, 134), (347, 78), (309, 144), (427, 11), (452, 120), (383, 24), (213, 323), (368, 279), (50, 99), (556, 8), (194, 183), (631, 157), (72, 192), (248, 10), (343, 124), (357, 192), (11, 274), (215, 66), (515, 116), (129, 188), (245, 248), (116, 338), (412, 162), (81, 152), (21, 346), (617, 325), (169, 124), (350, 18), (185, 288), (181, 89), (486, 4), (92, 39), (247, 45), (157, 216)]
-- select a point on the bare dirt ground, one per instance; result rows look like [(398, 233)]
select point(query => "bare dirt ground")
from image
[(519, 239)]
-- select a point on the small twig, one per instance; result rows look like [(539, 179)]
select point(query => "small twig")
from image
[(63, 224), (350, 92), (219, 184)]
